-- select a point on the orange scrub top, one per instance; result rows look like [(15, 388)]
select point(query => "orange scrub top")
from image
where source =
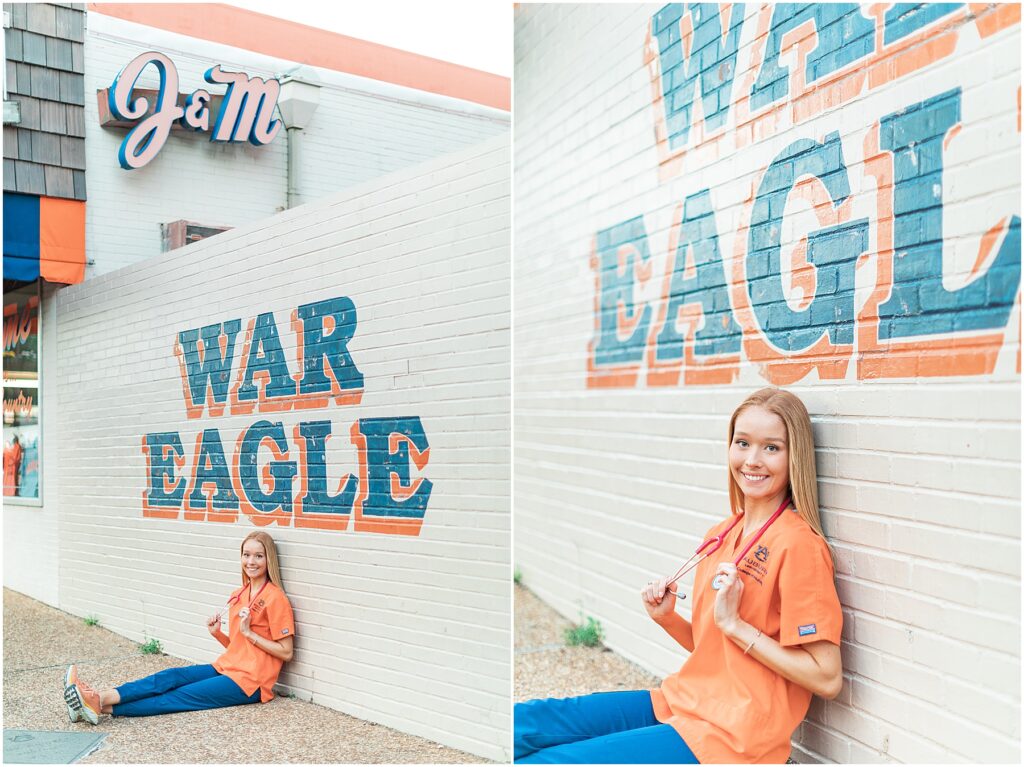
[(727, 706), (243, 662)]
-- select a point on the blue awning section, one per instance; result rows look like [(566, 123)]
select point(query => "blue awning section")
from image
[(21, 237)]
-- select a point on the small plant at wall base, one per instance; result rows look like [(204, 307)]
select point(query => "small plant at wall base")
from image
[(151, 647), (517, 577), (587, 634), (91, 620)]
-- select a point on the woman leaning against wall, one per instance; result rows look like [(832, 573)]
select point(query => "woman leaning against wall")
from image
[(765, 629), (258, 643)]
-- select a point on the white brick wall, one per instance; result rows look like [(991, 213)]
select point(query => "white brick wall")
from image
[(409, 631), (919, 474), (360, 130)]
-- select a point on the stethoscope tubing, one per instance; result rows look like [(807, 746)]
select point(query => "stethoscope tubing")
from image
[(235, 597), (715, 542)]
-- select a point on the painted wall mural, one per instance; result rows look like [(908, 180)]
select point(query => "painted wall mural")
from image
[(870, 290), (385, 493)]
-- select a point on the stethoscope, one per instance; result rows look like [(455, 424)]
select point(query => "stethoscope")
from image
[(714, 543), (235, 598)]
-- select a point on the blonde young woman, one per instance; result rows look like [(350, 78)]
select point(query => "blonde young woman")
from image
[(258, 643), (765, 629)]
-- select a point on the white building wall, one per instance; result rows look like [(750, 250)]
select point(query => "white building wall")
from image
[(31, 527), (361, 129), (410, 631), (919, 474)]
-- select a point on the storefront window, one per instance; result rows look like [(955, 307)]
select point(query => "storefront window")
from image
[(21, 391)]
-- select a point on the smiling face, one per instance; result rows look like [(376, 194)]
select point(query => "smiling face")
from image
[(759, 455), (254, 559)]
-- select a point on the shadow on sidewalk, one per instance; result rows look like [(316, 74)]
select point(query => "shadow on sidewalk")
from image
[(40, 642)]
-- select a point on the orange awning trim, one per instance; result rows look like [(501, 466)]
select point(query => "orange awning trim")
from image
[(61, 240)]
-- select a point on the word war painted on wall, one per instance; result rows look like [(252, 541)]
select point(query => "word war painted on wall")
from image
[(272, 474), (791, 297)]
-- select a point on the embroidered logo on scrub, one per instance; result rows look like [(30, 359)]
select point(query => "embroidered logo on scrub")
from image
[(810, 628), (762, 553), (284, 631)]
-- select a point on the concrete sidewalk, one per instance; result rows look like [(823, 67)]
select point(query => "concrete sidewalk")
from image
[(40, 641)]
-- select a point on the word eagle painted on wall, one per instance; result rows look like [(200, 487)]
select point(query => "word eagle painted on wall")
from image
[(793, 302), (382, 495), (245, 114)]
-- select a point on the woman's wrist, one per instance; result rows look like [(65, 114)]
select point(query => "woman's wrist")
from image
[(737, 630), (667, 619)]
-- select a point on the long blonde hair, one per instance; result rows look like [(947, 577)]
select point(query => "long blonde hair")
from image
[(803, 476), (270, 549)]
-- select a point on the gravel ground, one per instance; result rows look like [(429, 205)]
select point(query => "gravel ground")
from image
[(546, 668), (39, 643)]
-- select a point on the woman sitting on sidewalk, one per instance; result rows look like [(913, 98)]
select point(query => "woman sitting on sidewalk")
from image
[(259, 642), (765, 627)]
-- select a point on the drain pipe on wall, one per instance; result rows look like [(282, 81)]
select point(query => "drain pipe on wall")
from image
[(299, 98)]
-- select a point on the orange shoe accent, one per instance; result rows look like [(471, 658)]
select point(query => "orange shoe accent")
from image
[(85, 700)]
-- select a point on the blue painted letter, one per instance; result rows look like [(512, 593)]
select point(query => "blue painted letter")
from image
[(266, 354), (211, 369), (919, 303), (624, 243), (844, 36), (317, 499), (282, 472), (699, 235), (164, 452), (333, 346), (385, 457), (833, 251), (709, 57)]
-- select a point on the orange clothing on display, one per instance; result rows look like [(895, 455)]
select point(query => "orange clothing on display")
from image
[(727, 706), (12, 465), (247, 665)]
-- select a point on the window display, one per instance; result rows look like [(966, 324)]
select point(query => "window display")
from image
[(21, 391)]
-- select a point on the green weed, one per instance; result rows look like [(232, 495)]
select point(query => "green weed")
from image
[(151, 647), (588, 634), (517, 577), (91, 620)]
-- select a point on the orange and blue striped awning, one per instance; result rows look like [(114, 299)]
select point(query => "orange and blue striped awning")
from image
[(43, 237)]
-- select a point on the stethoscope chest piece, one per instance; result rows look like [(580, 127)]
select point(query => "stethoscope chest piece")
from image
[(716, 582)]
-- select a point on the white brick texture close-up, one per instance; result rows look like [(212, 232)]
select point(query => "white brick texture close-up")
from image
[(826, 198), (393, 529)]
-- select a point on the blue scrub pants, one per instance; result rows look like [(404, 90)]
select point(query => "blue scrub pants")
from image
[(603, 728), (187, 688)]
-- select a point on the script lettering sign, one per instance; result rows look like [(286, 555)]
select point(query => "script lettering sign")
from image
[(245, 113)]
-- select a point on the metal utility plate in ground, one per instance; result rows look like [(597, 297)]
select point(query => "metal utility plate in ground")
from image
[(46, 747)]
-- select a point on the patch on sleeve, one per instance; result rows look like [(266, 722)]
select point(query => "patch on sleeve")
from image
[(285, 631), (809, 628)]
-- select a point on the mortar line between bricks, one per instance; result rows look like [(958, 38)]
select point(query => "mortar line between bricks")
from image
[(65, 665)]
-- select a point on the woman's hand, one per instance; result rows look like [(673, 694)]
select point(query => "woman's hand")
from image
[(727, 599), (659, 599), (213, 625), (243, 621)]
